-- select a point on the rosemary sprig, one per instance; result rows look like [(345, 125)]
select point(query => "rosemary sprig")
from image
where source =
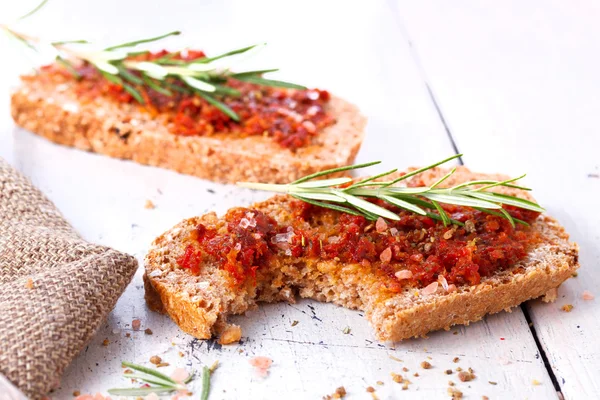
[(204, 77), (331, 193), (163, 384)]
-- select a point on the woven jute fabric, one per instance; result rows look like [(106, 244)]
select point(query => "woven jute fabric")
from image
[(56, 289)]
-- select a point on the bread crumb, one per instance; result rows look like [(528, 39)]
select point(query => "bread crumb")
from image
[(136, 324), (155, 360), (586, 295), (128, 334), (485, 398), (339, 393), (394, 358), (397, 377), (450, 383), (149, 205), (162, 364), (380, 383), (416, 374), (181, 354), (458, 369), (455, 393), (405, 384), (492, 383), (426, 365), (456, 359), (575, 275), (347, 330), (550, 295), (567, 307), (448, 372), (466, 376), (105, 342), (148, 331), (76, 393), (294, 323), (370, 389), (29, 283), (231, 334), (535, 382)]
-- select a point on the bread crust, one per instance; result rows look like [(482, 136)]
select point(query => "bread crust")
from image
[(52, 110), (394, 317)]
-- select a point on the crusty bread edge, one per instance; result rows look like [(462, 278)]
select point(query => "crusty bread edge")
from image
[(123, 131)]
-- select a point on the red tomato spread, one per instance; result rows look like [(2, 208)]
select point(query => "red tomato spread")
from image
[(292, 118), (415, 251)]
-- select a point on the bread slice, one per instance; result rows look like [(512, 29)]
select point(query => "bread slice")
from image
[(50, 108), (200, 304)]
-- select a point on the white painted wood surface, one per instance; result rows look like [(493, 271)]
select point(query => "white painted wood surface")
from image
[(518, 85), (367, 58)]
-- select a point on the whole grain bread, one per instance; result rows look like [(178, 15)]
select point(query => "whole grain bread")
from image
[(51, 108), (200, 304)]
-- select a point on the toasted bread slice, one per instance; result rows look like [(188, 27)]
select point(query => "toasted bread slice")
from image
[(51, 109), (200, 304)]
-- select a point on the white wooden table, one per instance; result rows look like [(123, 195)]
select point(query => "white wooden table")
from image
[(513, 85)]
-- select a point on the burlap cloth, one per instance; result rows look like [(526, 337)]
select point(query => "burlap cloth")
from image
[(55, 288)]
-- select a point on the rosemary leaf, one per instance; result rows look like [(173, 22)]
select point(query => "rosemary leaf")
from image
[(270, 82), (334, 170), (68, 66), (404, 204), (320, 196), (149, 371), (221, 106), (367, 206), (372, 178), (506, 199), (445, 218), (326, 205), (136, 42), (60, 43), (227, 54), (128, 76), (141, 391), (256, 73), (36, 9), (460, 200), (418, 171), (205, 383), (156, 87), (134, 92), (148, 379)]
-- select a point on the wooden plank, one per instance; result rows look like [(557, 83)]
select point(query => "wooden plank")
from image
[(367, 61), (518, 85)]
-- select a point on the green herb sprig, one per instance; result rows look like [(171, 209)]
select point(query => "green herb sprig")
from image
[(337, 195), (163, 384), (205, 77)]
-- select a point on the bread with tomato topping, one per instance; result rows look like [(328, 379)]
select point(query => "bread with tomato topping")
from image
[(199, 275), (51, 106)]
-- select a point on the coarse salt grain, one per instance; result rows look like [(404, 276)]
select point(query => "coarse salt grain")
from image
[(386, 255), (430, 289), (381, 226), (587, 295), (404, 274), (179, 375)]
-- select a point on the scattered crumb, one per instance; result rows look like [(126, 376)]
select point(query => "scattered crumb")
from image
[(181, 354), (162, 364), (405, 384), (29, 283), (339, 393), (370, 389), (347, 330), (455, 393), (149, 205), (105, 342), (148, 331), (456, 359), (492, 383), (294, 323), (575, 275), (128, 371), (231, 334), (458, 369), (179, 375), (485, 398), (397, 377), (416, 374), (128, 334), (262, 365), (155, 360), (76, 393), (426, 365), (429, 358), (466, 376), (405, 369), (136, 324), (455, 333), (380, 383), (567, 307), (586, 295), (550, 295), (448, 372), (394, 358), (535, 382), (450, 383)]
